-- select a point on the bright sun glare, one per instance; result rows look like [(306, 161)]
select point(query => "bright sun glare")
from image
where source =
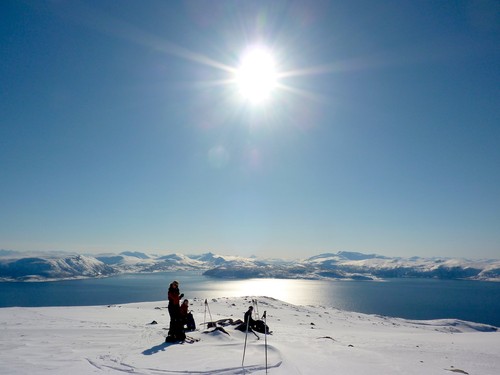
[(256, 75)]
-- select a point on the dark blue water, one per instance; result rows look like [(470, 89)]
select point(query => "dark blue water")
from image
[(407, 298)]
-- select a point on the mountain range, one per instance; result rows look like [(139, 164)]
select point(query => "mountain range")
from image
[(39, 266)]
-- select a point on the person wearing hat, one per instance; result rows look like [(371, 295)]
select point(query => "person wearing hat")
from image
[(174, 298), (187, 317), (174, 309)]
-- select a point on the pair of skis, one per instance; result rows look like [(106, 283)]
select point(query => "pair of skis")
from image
[(255, 308), (190, 340), (187, 340)]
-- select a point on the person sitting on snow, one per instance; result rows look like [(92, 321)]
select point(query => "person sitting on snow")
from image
[(187, 317), (249, 322)]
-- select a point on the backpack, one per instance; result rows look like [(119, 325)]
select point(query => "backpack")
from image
[(261, 327)]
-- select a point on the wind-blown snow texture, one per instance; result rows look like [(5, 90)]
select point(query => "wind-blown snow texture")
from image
[(119, 339), (19, 266)]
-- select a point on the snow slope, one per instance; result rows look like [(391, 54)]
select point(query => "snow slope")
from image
[(119, 339)]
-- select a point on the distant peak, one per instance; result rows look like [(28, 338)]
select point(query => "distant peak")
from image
[(322, 256), (353, 255), (345, 255), (135, 254)]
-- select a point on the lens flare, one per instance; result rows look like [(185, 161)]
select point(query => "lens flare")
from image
[(256, 76)]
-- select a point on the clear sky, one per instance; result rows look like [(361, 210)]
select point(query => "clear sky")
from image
[(123, 127)]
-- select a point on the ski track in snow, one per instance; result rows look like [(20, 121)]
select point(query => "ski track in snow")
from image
[(247, 369)]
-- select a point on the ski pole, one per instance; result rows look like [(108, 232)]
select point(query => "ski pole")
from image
[(205, 315), (245, 347), (209, 313), (265, 335)]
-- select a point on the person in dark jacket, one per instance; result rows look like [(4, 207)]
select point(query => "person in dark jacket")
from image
[(187, 317), (174, 298), (174, 310), (248, 318)]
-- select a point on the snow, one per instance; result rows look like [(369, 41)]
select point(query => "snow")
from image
[(19, 266), (119, 339)]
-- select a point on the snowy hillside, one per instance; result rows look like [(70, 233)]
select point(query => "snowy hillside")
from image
[(342, 265), (52, 268), (351, 265), (120, 339)]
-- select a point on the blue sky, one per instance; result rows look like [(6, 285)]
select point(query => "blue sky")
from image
[(120, 128)]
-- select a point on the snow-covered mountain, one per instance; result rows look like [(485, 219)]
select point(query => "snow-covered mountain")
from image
[(384, 267), (52, 268), (341, 265), (37, 266), (349, 265)]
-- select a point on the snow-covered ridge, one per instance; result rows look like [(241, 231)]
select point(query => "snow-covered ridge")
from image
[(52, 268), (349, 265), (19, 266)]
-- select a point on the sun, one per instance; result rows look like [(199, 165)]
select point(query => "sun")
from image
[(256, 76)]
